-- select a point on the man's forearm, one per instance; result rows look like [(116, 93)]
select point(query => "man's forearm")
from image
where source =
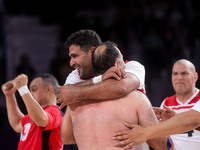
[(178, 124), (35, 111), (14, 113), (108, 89), (102, 91), (85, 83)]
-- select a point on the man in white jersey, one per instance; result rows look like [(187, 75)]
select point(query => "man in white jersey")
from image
[(81, 44), (181, 122), (105, 117), (184, 78)]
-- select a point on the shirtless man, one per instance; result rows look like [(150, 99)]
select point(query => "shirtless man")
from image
[(93, 121), (187, 121)]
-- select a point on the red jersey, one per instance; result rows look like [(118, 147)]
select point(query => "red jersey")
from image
[(39, 138)]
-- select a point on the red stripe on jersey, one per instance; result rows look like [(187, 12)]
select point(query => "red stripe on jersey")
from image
[(126, 61), (85, 78), (183, 107), (173, 103), (141, 90)]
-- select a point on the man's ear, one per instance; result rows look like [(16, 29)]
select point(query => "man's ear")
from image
[(92, 48), (49, 89), (117, 64)]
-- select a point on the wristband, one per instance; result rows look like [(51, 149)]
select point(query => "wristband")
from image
[(97, 79), (23, 90)]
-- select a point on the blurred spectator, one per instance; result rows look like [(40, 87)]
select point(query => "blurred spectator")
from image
[(25, 67), (59, 65)]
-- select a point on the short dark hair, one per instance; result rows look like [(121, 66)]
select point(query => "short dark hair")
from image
[(83, 38), (102, 60), (47, 79)]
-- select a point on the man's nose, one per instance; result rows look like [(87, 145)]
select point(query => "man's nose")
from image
[(179, 76), (72, 62)]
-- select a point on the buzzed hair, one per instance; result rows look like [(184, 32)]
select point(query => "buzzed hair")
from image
[(186, 62), (83, 38), (47, 79), (104, 57)]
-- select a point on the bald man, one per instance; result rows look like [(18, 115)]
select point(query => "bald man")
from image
[(182, 122), (184, 78)]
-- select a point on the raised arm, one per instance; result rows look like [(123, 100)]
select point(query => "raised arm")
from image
[(35, 111), (13, 111), (66, 132)]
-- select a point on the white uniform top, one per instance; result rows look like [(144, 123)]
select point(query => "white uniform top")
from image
[(185, 141), (196, 106), (133, 67)]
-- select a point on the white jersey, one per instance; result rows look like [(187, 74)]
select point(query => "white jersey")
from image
[(189, 140), (196, 106), (133, 67)]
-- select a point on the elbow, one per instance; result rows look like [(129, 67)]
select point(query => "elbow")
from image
[(196, 119), (122, 91), (43, 122), (16, 129), (158, 143), (196, 123), (67, 140), (16, 125)]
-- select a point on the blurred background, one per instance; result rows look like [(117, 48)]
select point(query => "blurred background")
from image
[(154, 32)]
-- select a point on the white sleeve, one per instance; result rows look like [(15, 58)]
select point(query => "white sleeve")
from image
[(161, 106), (73, 78), (137, 69), (196, 106)]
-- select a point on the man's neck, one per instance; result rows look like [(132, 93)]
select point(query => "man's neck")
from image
[(183, 97), (49, 102)]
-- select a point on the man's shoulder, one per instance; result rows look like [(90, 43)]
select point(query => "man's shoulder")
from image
[(73, 78), (53, 108), (170, 97), (198, 92), (74, 72), (133, 62)]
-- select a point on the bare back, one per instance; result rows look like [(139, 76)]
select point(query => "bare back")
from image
[(94, 122)]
